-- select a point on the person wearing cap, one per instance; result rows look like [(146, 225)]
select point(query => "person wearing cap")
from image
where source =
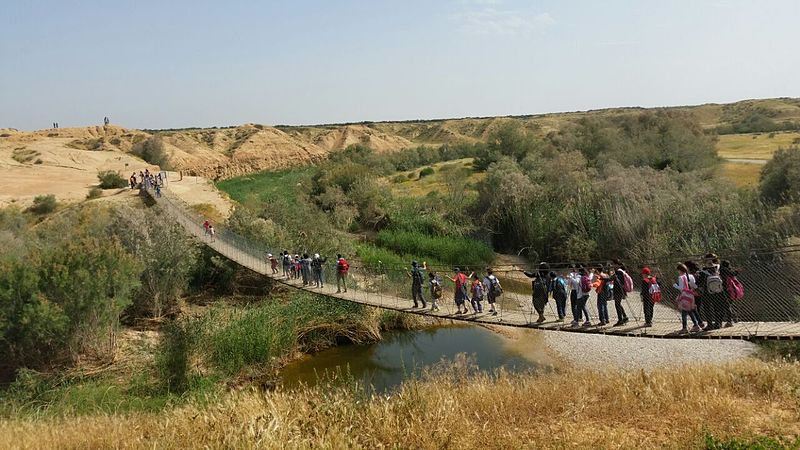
[(316, 270), (273, 263), (648, 280), (286, 262), (541, 286), (712, 291), (461, 295), (417, 278)]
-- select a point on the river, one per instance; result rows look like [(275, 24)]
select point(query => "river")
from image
[(403, 354)]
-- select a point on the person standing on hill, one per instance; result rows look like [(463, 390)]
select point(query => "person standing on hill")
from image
[(540, 285), (620, 293), (460, 296), (316, 270), (650, 293), (342, 269), (493, 289), (417, 279)]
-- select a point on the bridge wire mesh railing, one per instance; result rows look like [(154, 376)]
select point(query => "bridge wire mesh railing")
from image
[(771, 279)]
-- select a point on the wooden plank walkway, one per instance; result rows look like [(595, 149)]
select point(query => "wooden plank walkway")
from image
[(513, 309)]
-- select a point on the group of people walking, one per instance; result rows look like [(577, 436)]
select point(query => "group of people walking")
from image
[(311, 269), (147, 180), (706, 294)]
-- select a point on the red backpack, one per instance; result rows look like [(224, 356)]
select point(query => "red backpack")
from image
[(586, 284), (735, 288), (343, 266)]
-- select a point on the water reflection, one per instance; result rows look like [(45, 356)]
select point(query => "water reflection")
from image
[(401, 355)]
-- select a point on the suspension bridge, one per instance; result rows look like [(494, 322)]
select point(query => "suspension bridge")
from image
[(771, 309)]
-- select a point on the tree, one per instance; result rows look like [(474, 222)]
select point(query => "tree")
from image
[(152, 150), (780, 177)]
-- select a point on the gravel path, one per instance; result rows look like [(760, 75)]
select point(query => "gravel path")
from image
[(612, 352)]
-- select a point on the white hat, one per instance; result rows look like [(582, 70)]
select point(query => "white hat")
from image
[(316, 255), (269, 255)]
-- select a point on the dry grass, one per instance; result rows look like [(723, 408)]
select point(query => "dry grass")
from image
[(455, 408), (743, 174), (754, 145), (208, 211)]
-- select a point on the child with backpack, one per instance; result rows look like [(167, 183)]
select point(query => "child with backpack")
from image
[(580, 287), (477, 294), (540, 285), (273, 263), (286, 261), (317, 273), (342, 269), (604, 287), (436, 290), (559, 290), (734, 290), (623, 283), (650, 293), (712, 290), (686, 285), (493, 289)]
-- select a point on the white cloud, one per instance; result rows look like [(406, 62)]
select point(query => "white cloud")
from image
[(491, 20)]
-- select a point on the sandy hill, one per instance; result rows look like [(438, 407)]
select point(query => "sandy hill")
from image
[(66, 160)]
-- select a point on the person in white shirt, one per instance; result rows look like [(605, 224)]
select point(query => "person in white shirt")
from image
[(686, 304)]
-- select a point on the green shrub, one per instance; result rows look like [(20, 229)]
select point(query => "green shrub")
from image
[(152, 150), (110, 179), (780, 177), (450, 250), (426, 172), (757, 443), (43, 204), (94, 193)]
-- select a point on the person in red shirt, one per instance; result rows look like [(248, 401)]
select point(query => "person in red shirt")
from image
[(461, 292)]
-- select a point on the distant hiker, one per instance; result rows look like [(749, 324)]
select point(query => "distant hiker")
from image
[(273, 263), (686, 286), (297, 267), (558, 286), (316, 270), (493, 289), (436, 290), (604, 287), (105, 120), (206, 225), (622, 285), (342, 269), (212, 233), (158, 191), (417, 278), (540, 285), (460, 294), (477, 292), (701, 311), (650, 293), (286, 262)]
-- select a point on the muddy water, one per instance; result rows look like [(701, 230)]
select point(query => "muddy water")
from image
[(401, 355)]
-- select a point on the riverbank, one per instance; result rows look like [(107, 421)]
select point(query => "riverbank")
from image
[(455, 407)]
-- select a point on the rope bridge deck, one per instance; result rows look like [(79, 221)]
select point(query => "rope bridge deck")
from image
[(386, 288)]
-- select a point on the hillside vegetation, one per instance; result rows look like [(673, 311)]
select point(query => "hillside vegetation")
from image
[(221, 153)]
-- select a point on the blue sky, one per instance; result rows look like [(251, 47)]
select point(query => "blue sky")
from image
[(162, 64)]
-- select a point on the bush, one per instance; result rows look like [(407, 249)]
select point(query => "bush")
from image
[(780, 177), (110, 179), (152, 150), (43, 204), (94, 193), (426, 172), (449, 250)]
